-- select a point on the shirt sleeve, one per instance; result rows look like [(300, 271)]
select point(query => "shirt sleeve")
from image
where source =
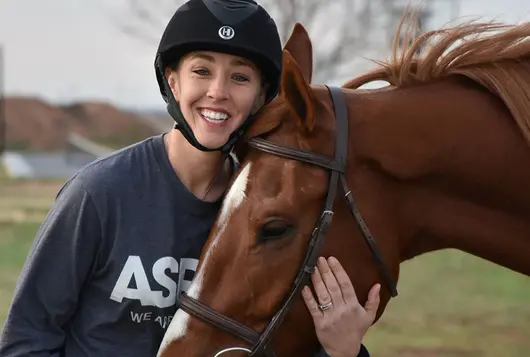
[(363, 352), (59, 262)]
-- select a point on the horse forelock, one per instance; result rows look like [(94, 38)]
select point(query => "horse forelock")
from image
[(494, 55)]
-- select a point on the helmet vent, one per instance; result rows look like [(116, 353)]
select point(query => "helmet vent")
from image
[(233, 4), (231, 12)]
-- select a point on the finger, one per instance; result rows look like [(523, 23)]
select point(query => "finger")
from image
[(329, 280), (321, 290), (372, 304), (311, 303), (343, 280)]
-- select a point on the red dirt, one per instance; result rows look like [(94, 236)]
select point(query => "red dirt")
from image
[(33, 124)]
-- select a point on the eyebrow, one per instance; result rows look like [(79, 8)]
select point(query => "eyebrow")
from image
[(234, 62)]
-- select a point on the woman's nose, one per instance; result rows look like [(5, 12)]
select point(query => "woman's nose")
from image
[(218, 89)]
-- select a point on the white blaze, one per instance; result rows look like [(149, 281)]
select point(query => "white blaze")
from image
[(234, 198)]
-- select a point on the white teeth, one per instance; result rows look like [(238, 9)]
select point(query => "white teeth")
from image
[(213, 116)]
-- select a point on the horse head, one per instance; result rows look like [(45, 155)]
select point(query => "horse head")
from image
[(371, 177)]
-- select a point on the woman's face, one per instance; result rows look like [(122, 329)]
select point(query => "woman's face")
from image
[(216, 92)]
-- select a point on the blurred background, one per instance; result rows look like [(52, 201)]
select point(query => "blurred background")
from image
[(77, 82)]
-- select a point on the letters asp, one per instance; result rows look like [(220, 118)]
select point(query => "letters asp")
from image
[(134, 269)]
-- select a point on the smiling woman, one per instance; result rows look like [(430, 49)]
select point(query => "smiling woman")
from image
[(125, 233)]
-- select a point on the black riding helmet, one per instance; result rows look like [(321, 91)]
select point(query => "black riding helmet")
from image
[(238, 27)]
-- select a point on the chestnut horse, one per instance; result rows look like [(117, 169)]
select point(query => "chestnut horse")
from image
[(439, 159)]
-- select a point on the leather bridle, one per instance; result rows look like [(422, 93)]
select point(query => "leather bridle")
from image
[(337, 167)]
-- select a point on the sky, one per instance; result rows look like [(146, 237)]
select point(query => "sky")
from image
[(68, 50)]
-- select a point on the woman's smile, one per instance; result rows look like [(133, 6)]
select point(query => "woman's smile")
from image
[(216, 117)]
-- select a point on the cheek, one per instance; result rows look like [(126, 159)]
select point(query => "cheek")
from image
[(189, 92), (247, 101)]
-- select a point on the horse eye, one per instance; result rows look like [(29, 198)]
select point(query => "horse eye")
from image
[(274, 230)]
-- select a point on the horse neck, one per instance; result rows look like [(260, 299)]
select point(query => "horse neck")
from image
[(447, 176)]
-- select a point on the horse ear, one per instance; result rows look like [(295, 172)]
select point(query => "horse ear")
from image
[(297, 93), (299, 46)]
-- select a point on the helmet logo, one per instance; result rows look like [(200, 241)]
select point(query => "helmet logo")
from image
[(226, 32)]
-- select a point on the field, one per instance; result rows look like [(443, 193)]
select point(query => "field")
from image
[(450, 304)]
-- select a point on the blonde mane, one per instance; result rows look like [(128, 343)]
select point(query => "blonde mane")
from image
[(495, 55)]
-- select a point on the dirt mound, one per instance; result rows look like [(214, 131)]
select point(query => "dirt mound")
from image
[(32, 124)]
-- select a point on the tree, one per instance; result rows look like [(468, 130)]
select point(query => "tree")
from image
[(340, 29)]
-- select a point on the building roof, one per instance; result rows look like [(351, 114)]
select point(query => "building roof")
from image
[(56, 165)]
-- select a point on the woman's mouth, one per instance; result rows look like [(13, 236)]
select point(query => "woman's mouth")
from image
[(214, 117)]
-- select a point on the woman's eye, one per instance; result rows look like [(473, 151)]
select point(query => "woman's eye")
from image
[(201, 72), (240, 78)]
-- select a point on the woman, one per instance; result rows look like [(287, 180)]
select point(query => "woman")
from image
[(124, 232)]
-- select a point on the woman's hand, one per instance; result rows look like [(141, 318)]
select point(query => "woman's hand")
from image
[(340, 320)]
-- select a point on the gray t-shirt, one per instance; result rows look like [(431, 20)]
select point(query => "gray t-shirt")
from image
[(102, 276)]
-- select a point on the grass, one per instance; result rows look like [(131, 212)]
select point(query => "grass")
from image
[(23, 206), (15, 241), (450, 304)]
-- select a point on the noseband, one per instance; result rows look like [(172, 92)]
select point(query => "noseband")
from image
[(337, 167)]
